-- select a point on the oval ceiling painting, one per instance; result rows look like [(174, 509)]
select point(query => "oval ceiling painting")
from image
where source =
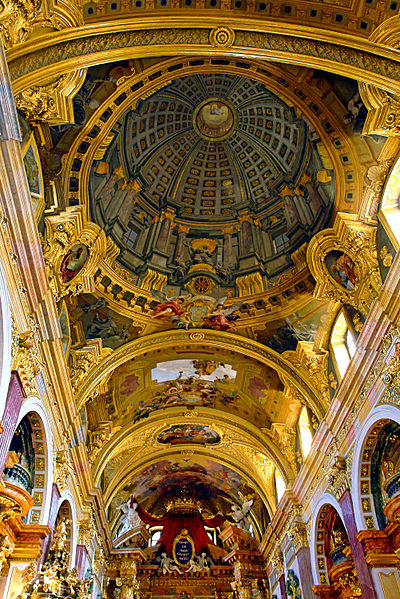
[(189, 433), (342, 269)]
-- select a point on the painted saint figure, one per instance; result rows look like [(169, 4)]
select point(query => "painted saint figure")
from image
[(73, 262)]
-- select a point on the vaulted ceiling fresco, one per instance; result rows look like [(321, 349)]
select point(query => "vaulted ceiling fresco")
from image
[(190, 194)]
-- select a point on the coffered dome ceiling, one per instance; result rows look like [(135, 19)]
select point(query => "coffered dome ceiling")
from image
[(216, 149), (213, 144)]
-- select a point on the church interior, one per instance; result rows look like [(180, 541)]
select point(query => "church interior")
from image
[(199, 299)]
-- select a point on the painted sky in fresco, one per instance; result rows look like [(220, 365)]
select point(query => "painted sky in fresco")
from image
[(168, 371)]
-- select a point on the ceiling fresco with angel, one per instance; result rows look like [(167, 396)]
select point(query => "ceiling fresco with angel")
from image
[(214, 485), (242, 388)]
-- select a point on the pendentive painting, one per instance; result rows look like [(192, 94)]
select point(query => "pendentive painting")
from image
[(342, 269), (189, 433), (73, 262)]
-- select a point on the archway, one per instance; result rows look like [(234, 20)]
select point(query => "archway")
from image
[(333, 561), (29, 463)]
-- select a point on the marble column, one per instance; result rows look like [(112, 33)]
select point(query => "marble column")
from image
[(362, 568), (81, 560), (15, 397), (55, 496), (305, 572), (282, 586)]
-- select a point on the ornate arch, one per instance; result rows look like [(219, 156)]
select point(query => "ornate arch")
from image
[(225, 340), (363, 500), (42, 441), (326, 504), (235, 464), (66, 509)]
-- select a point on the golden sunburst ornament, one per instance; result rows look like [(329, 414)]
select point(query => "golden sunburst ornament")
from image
[(222, 37)]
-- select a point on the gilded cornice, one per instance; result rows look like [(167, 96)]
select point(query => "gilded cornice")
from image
[(83, 47)]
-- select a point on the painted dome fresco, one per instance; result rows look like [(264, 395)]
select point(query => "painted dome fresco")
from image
[(213, 149)]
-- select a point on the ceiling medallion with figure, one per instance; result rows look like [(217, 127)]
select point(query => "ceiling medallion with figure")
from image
[(214, 119)]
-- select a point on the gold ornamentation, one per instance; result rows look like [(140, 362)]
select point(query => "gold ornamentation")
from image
[(390, 373), (6, 548), (348, 586), (357, 240), (197, 336), (383, 111), (332, 381), (17, 18), (85, 358), (87, 531), (9, 508), (222, 37), (297, 530), (51, 102), (97, 439), (337, 477), (63, 232), (62, 469), (386, 257), (376, 176)]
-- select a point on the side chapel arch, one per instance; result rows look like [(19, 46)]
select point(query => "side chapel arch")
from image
[(363, 497), (42, 441), (66, 510)]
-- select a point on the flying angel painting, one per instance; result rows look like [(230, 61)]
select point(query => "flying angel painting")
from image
[(221, 317), (172, 308)]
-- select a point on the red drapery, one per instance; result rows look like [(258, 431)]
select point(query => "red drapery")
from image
[(173, 524)]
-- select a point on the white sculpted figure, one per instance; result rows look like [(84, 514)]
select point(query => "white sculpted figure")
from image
[(168, 565), (239, 515), (129, 517)]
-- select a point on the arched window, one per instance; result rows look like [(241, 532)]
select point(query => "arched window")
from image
[(305, 432), (155, 535), (280, 486), (343, 344), (389, 214)]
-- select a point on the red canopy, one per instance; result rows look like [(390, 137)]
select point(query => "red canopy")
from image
[(173, 523)]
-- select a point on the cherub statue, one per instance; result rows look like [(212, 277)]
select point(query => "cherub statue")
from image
[(194, 565), (203, 562), (239, 514), (168, 565)]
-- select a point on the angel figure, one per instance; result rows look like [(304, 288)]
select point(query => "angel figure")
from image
[(239, 515), (221, 318), (172, 308), (129, 516), (168, 565)]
